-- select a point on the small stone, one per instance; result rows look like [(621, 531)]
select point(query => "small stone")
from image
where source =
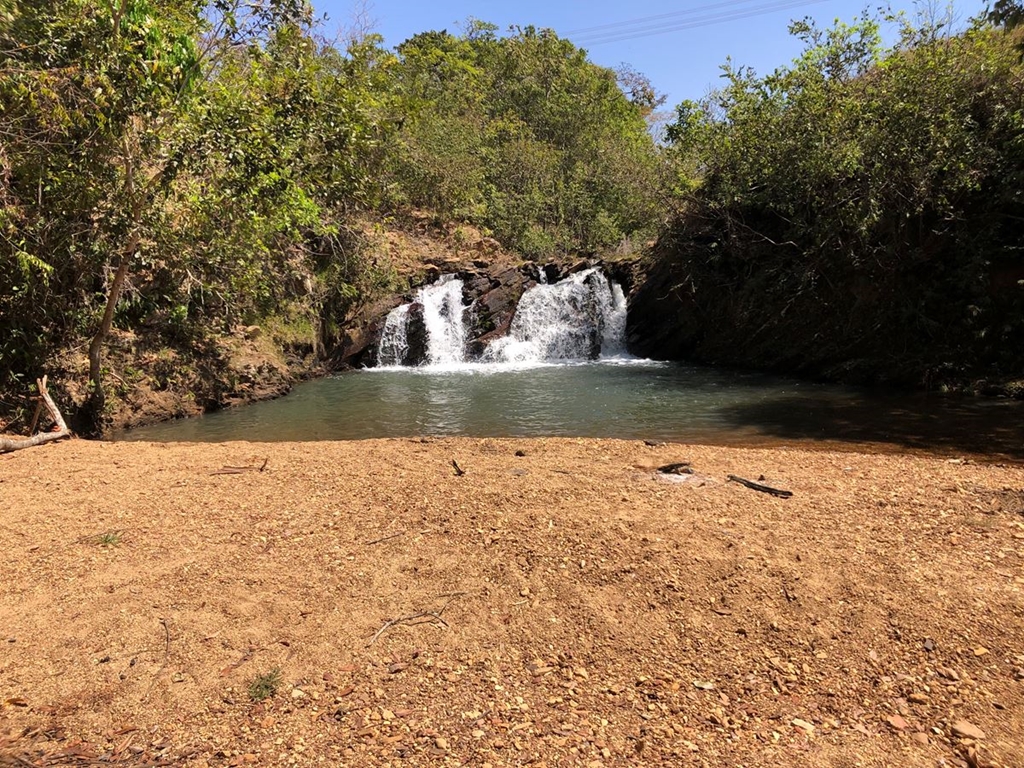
[(267, 722), (897, 722), (703, 685), (917, 698), (441, 743), (920, 737), (929, 645), (397, 667), (802, 725), (298, 693), (980, 650), (479, 734), (966, 730)]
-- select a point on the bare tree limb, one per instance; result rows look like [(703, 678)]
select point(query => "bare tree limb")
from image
[(8, 444)]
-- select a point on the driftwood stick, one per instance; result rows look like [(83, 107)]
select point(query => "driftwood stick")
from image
[(385, 538), (35, 416), (762, 488), (8, 444), (232, 470)]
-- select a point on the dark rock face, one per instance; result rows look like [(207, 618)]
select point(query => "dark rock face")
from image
[(416, 354), (662, 320), (358, 346)]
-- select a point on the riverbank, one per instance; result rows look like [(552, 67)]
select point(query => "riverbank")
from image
[(562, 607)]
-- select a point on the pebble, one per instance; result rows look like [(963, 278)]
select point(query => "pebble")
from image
[(897, 722), (966, 730), (441, 743), (917, 698)]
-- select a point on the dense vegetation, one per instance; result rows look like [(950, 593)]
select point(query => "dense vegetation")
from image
[(172, 172), (179, 169), (858, 213)]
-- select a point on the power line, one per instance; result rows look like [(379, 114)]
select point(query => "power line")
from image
[(646, 19), (704, 21)]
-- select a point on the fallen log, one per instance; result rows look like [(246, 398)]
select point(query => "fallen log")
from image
[(60, 431)]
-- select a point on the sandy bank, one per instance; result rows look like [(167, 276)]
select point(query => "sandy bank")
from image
[(564, 607)]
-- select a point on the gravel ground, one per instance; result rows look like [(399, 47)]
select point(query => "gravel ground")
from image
[(564, 607)]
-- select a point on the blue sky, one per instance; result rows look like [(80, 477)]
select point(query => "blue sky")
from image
[(681, 62)]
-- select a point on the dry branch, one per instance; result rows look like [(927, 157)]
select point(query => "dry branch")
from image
[(385, 538), (8, 444), (420, 617), (230, 470), (759, 487)]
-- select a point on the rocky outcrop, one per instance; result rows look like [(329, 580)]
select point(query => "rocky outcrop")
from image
[(416, 351)]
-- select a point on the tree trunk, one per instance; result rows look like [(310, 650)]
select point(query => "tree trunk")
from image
[(97, 397), (8, 444)]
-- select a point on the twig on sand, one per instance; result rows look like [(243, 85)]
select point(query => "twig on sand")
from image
[(762, 488), (385, 538), (420, 617), (459, 471), (229, 470), (167, 655)]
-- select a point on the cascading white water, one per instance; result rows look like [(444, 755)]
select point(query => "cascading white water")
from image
[(613, 341), (440, 311), (394, 339), (444, 317), (578, 318)]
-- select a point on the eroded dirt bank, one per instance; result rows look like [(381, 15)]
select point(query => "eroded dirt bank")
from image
[(563, 607)]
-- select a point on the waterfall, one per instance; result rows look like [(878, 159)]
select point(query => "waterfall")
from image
[(444, 316), (429, 330), (394, 339), (582, 317), (578, 318)]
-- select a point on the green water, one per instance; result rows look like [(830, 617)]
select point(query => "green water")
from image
[(617, 398)]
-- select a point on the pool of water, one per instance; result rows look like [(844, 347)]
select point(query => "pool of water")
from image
[(623, 398)]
